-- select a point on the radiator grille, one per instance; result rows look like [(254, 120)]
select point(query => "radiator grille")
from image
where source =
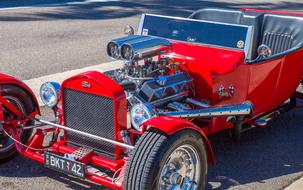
[(278, 42), (92, 114)]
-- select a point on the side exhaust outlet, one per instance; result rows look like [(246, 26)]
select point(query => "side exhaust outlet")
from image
[(243, 109)]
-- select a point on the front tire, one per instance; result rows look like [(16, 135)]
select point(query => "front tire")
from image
[(20, 99), (162, 162)]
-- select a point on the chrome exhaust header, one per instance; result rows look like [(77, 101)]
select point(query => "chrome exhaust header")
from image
[(149, 47), (243, 109), (113, 47)]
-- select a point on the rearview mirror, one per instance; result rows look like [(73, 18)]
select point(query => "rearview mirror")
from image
[(129, 30)]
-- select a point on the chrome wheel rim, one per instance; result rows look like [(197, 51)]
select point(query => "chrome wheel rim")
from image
[(7, 143), (181, 170)]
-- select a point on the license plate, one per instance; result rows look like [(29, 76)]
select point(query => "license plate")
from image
[(62, 164)]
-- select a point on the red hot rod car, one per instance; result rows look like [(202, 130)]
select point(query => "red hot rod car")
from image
[(145, 126)]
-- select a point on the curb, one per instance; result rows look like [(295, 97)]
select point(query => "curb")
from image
[(297, 185)]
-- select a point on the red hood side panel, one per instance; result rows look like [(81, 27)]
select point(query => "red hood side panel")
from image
[(207, 65)]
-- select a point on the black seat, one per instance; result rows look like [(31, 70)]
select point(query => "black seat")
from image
[(218, 15), (279, 32), (282, 32), (234, 17)]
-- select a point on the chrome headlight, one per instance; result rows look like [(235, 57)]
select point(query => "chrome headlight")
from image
[(141, 113), (50, 93)]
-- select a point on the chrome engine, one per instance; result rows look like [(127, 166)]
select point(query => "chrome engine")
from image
[(155, 82)]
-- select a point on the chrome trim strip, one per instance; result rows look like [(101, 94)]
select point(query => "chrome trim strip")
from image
[(189, 19), (248, 42), (275, 56), (140, 29)]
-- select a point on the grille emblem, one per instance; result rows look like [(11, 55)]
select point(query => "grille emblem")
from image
[(86, 84)]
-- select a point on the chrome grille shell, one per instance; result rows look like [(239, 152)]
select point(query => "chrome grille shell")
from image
[(98, 108), (92, 114)]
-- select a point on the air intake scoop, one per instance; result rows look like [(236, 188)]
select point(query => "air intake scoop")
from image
[(145, 49)]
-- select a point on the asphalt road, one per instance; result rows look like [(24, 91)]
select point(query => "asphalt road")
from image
[(45, 40), (50, 39)]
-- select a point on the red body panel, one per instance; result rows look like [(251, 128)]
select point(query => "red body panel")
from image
[(274, 81), (205, 64), (266, 84)]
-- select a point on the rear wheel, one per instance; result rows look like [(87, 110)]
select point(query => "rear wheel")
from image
[(162, 162), (20, 100)]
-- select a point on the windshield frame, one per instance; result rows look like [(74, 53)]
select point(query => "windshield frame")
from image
[(248, 39)]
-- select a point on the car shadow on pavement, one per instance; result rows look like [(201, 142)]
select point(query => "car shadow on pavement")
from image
[(261, 154), (29, 170), (127, 8)]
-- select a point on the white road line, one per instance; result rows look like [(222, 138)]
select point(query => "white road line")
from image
[(35, 83), (57, 4)]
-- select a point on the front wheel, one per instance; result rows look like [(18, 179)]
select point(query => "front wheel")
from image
[(162, 162), (20, 100)]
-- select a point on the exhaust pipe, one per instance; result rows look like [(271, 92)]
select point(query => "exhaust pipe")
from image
[(149, 47), (114, 46), (243, 109)]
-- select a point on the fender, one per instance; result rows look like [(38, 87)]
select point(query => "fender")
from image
[(6, 79), (172, 125)]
